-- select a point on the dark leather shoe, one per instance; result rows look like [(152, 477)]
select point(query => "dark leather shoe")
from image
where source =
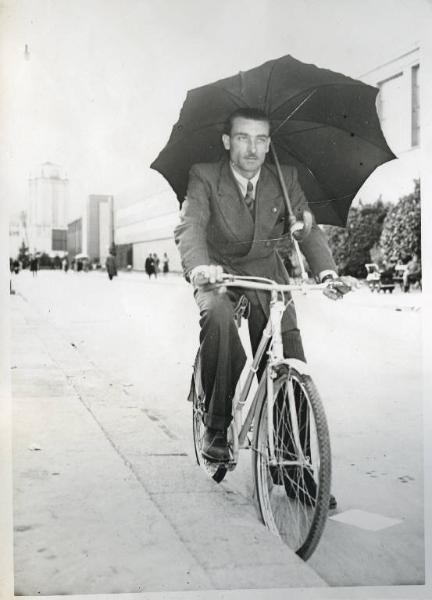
[(215, 445)]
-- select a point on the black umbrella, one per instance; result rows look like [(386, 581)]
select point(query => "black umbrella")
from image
[(323, 123)]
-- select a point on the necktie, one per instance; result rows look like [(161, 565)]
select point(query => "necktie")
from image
[(249, 199)]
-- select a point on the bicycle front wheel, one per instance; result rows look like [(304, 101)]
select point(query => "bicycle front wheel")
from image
[(293, 474)]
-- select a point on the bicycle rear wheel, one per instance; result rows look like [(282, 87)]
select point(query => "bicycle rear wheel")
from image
[(213, 470), (293, 488)]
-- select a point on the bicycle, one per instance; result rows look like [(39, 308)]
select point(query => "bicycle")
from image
[(285, 427)]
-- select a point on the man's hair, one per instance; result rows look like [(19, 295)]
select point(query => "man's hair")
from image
[(255, 114)]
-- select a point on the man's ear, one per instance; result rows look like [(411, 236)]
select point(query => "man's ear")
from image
[(226, 141), (268, 145)]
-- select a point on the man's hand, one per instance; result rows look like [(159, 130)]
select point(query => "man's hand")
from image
[(337, 287), (203, 274)]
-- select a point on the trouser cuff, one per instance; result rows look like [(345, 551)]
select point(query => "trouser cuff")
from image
[(220, 422)]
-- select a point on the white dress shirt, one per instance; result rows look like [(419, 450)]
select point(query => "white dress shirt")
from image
[(243, 181)]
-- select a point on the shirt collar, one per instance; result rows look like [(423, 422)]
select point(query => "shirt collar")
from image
[(243, 181)]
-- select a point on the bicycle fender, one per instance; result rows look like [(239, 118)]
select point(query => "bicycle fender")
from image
[(298, 365)]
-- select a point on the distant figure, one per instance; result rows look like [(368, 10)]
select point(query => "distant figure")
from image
[(150, 266), (165, 263), (412, 273), (79, 265), (111, 266), (66, 264), (156, 263), (34, 265), (16, 266)]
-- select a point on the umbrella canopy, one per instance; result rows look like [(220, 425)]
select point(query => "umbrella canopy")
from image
[(80, 256), (322, 122)]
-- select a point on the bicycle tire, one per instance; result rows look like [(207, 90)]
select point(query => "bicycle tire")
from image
[(214, 470), (290, 504)]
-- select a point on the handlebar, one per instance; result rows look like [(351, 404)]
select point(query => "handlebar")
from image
[(262, 283)]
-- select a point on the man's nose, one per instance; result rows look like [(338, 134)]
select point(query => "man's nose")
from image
[(252, 146)]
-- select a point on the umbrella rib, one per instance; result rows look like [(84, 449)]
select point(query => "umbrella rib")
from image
[(315, 89), (292, 113), (238, 99), (268, 86), (326, 125)]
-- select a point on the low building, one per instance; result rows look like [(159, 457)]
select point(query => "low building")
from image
[(147, 227)]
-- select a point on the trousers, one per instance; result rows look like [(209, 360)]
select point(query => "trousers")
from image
[(222, 355)]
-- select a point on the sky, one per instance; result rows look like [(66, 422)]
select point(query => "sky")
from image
[(104, 80)]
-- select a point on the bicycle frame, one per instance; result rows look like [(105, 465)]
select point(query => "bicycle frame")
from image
[(272, 337)]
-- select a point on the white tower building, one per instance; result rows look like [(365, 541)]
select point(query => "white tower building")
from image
[(47, 212)]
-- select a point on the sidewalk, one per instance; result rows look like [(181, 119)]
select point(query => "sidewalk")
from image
[(107, 499)]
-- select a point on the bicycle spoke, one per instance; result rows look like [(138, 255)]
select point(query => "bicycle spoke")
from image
[(291, 491)]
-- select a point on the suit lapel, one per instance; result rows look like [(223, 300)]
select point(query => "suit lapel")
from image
[(232, 205), (269, 206), (268, 203)]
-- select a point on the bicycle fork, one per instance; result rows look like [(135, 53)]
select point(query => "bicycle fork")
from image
[(276, 358)]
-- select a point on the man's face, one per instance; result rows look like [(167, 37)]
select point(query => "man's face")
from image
[(248, 144)]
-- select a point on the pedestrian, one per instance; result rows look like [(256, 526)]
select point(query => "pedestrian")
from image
[(65, 264), (34, 265), (16, 266), (150, 265), (224, 200), (165, 264), (111, 266), (156, 264), (412, 273)]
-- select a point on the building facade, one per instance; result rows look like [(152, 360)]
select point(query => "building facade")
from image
[(47, 210), (148, 227), (100, 226), (398, 106), (17, 234), (75, 238)]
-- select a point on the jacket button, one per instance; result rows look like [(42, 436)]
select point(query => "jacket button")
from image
[(268, 243), (274, 209)]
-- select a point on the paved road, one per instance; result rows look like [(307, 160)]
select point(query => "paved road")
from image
[(101, 372)]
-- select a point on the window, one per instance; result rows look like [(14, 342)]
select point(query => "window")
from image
[(415, 106)]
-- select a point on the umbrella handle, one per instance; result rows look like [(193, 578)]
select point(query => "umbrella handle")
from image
[(292, 218)]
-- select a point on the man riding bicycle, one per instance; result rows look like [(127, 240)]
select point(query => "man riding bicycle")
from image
[(232, 220)]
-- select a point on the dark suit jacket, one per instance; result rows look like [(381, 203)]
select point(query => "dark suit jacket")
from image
[(216, 227)]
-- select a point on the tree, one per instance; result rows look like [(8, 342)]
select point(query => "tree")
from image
[(352, 246), (401, 234)]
